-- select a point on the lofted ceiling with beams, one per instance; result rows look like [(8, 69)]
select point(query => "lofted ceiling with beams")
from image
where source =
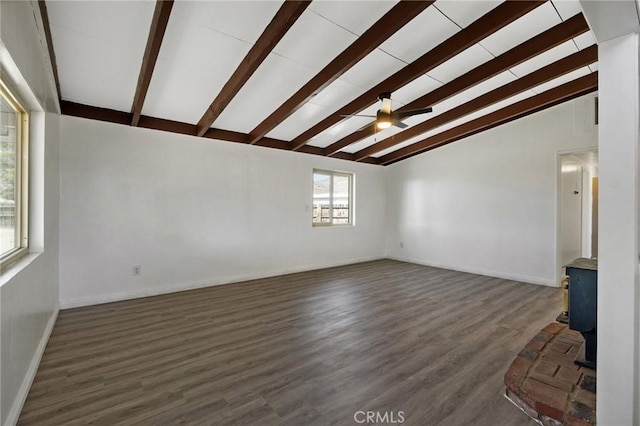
[(289, 75)]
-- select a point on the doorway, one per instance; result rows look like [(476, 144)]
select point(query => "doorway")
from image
[(578, 207)]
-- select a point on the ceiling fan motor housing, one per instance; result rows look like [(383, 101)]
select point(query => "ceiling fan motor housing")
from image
[(383, 119)]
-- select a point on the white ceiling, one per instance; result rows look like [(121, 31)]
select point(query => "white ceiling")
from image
[(99, 47)]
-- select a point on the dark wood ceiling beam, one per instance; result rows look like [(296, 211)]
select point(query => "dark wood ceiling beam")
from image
[(95, 113), (396, 18), (52, 55), (284, 19), (495, 124), (167, 125), (156, 34), (118, 117), (226, 135), (491, 22), (561, 67), (555, 96), (370, 160), (549, 39)]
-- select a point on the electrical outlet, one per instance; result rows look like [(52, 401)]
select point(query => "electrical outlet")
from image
[(401, 244), (136, 270)]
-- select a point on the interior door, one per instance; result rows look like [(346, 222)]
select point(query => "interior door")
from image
[(571, 213)]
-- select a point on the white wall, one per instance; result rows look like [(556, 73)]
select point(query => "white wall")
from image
[(194, 212), (616, 27), (487, 204), (618, 293), (29, 289), (29, 292)]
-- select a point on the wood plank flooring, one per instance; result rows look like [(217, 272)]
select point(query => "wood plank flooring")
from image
[(304, 349)]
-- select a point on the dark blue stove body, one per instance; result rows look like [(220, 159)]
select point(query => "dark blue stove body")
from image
[(583, 306)]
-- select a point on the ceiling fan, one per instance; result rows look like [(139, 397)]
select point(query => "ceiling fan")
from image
[(386, 118)]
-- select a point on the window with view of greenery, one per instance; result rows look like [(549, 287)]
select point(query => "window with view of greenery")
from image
[(332, 198), (13, 175)]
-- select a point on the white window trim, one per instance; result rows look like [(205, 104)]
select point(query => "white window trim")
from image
[(22, 202), (331, 174)]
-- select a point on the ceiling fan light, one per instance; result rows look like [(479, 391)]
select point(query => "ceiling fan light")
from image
[(383, 123)]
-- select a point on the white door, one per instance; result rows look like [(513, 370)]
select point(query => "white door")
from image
[(571, 212)]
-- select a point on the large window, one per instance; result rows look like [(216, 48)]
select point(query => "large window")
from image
[(332, 198), (14, 126)]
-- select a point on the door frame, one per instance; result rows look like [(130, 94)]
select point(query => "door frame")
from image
[(558, 228)]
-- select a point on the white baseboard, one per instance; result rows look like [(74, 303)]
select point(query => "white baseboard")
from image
[(480, 271), (156, 291), (21, 397)]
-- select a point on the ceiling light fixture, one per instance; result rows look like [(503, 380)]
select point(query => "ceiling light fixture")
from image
[(383, 117), (383, 121), (386, 117)]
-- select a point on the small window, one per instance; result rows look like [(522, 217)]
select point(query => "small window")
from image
[(332, 198), (14, 127)]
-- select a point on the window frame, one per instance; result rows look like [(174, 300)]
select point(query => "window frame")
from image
[(22, 178), (332, 174)]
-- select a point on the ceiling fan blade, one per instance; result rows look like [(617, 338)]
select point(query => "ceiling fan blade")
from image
[(357, 115), (366, 126), (399, 124), (412, 112)]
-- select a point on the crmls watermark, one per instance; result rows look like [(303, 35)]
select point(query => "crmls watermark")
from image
[(376, 417)]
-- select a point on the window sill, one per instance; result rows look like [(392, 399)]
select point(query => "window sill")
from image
[(15, 268)]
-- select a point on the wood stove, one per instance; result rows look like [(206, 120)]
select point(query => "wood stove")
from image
[(583, 306)]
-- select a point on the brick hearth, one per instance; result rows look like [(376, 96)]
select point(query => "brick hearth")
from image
[(546, 384)]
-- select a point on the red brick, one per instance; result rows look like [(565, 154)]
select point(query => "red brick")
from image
[(546, 383), (548, 421), (515, 399), (569, 375), (528, 354), (543, 335), (545, 399), (538, 342), (588, 383), (586, 371), (563, 348), (585, 397), (574, 421), (573, 333), (535, 345), (516, 373), (580, 415), (552, 381), (554, 328), (562, 360), (546, 368), (573, 351), (570, 339)]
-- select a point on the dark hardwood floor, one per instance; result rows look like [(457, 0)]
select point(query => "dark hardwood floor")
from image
[(304, 349)]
